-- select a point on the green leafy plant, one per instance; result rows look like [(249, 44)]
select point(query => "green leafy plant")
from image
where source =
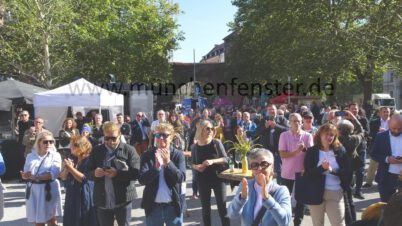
[(243, 146)]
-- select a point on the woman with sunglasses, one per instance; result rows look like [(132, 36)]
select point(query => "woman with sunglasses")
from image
[(78, 208), (209, 156), (261, 201), (41, 169), (328, 159)]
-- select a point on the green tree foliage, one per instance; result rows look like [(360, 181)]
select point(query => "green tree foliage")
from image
[(55, 40), (340, 41)]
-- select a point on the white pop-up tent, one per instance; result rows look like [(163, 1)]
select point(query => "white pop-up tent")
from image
[(52, 105)]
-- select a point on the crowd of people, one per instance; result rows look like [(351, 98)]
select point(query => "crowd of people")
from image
[(98, 163)]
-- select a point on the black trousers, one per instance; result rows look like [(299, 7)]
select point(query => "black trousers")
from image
[(204, 188), (299, 214), (122, 215)]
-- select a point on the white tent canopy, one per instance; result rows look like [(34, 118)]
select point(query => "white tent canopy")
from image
[(81, 95)]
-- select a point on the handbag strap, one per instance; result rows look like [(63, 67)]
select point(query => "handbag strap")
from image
[(260, 214), (37, 171)]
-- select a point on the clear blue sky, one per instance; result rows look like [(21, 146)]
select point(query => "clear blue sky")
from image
[(204, 23)]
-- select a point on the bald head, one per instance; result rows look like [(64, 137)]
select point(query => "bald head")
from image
[(395, 125)]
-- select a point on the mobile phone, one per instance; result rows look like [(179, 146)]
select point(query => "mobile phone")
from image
[(340, 113), (106, 167)]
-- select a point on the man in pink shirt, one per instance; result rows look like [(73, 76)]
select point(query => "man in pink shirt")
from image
[(292, 145)]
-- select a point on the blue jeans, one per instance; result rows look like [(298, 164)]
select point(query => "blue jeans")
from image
[(164, 214)]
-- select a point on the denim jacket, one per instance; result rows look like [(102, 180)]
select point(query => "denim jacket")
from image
[(279, 210)]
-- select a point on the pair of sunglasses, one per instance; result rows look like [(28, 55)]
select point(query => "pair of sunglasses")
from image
[(111, 138), (162, 135), (47, 141), (263, 165), (210, 128)]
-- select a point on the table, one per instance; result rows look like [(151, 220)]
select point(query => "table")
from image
[(234, 176)]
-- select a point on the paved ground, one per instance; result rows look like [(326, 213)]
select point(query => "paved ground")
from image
[(15, 206)]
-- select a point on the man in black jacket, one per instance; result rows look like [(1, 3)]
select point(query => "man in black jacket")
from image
[(163, 172), (139, 133), (113, 166), (268, 133), (377, 125)]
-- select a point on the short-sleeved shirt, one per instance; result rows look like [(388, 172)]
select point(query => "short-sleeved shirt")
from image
[(288, 142)]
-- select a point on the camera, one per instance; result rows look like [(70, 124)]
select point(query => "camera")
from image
[(105, 167), (398, 157), (270, 118)]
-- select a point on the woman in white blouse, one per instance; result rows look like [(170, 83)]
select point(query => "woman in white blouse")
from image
[(41, 169), (328, 159)]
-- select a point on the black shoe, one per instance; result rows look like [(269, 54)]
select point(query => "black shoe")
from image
[(358, 196), (367, 185)]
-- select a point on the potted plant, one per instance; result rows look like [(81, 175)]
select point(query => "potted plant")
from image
[(243, 146)]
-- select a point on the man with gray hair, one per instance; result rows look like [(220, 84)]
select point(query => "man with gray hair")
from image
[(350, 139)]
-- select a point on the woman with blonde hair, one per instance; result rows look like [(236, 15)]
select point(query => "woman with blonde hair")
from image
[(78, 208), (219, 127), (209, 156), (41, 169), (328, 163)]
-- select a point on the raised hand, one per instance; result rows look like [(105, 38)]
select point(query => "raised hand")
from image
[(244, 191), (165, 156), (325, 164)]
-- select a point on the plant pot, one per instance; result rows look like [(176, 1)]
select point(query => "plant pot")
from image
[(244, 165)]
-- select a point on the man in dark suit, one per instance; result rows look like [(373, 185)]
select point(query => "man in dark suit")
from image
[(278, 120), (114, 167), (139, 133), (377, 125), (387, 151), (268, 133)]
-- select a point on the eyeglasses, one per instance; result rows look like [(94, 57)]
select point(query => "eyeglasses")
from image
[(210, 128), (37, 122), (139, 115), (162, 135), (256, 165), (47, 141), (110, 138), (23, 114)]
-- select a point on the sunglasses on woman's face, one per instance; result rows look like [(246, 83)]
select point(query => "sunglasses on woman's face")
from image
[(162, 135), (47, 141), (256, 165), (210, 128)]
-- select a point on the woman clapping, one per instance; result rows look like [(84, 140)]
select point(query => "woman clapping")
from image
[(41, 169), (78, 209), (261, 201)]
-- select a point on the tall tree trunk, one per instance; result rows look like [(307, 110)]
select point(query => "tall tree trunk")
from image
[(48, 73)]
